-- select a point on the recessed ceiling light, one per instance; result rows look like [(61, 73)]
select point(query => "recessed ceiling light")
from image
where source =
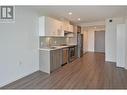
[(95, 27), (79, 19), (70, 13)]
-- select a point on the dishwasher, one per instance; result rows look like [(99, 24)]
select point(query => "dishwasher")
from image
[(65, 56)]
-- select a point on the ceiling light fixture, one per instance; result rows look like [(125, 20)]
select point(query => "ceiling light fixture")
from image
[(79, 19), (70, 13)]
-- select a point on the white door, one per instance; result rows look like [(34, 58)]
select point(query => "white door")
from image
[(99, 45), (121, 41)]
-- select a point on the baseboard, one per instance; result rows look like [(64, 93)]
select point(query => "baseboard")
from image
[(110, 62), (99, 52), (90, 51), (85, 53), (17, 78)]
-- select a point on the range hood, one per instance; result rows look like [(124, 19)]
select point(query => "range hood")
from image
[(68, 32)]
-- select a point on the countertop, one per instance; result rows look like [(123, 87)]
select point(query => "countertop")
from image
[(55, 47)]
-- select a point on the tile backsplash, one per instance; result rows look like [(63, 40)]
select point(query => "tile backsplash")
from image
[(50, 41)]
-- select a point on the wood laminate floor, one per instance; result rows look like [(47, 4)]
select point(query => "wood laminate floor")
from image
[(88, 72)]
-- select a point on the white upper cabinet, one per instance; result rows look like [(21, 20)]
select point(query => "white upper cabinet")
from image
[(50, 27), (71, 28), (67, 26)]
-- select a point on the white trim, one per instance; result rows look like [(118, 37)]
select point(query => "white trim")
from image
[(97, 23)]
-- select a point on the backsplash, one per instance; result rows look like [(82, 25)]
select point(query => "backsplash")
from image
[(50, 41)]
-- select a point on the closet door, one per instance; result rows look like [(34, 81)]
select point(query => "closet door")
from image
[(99, 44), (121, 45)]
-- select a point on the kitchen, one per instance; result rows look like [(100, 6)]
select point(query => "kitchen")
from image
[(56, 47), (63, 47)]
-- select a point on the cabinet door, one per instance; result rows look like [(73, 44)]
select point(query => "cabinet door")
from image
[(53, 27), (59, 60), (50, 27), (65, 56), (52, 60), (59, 29), (56, 59), (71, 28), (66, 25)]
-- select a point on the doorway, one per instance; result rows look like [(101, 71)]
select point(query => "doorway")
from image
[(99, 44)]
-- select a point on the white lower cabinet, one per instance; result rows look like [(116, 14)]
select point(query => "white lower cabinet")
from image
[(50, 60)]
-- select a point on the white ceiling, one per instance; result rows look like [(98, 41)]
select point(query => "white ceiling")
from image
[(86, 13)]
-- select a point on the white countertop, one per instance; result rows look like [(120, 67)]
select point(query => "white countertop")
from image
[(56, 47), (46, 49)]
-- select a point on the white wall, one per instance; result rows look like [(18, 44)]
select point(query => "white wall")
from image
[(19, 46), (126, 45), (110, 39), (91, 40), (91, 37), (85, 42), (89, 34)]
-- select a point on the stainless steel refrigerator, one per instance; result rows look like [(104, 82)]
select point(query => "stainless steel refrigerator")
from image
[(80, 44)]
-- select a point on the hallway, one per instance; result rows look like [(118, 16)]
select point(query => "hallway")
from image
[(88, 72)]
